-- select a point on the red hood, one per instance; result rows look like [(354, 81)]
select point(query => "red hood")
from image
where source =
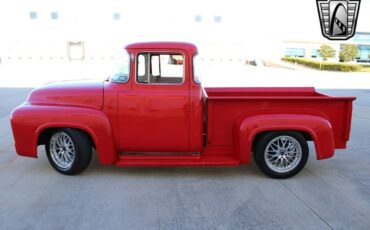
[(82, 93)]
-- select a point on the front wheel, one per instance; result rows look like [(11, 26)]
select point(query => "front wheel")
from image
[(281, 154), (69, 151)]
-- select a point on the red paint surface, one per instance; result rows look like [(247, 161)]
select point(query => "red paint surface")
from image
[(135, 124)]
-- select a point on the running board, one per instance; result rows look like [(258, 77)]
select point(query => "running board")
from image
[(175, 160), (158, 154)]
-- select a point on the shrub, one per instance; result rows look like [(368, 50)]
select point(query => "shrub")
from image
[(332, 66), (348, 53), (326, 52)]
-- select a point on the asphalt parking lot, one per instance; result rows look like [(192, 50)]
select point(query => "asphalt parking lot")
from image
[(329, 194)]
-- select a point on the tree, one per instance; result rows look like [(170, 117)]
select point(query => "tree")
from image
[(348, 53), (326, 52)]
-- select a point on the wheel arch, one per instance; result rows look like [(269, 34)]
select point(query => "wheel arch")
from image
[(306, 135), (247, 132), (45, 134), (105, 150)]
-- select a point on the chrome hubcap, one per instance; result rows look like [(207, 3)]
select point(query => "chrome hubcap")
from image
[(283, 154), (62, 150)]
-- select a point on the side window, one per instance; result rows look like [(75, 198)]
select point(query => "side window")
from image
[(160, 68), (142, 75), (155, 64)]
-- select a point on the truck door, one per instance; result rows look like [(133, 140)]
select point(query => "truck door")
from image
[(154, 115)]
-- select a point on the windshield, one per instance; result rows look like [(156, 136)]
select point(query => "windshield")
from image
[(122, 74)]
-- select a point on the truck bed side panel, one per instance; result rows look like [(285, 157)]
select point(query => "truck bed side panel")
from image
[(222, 111)]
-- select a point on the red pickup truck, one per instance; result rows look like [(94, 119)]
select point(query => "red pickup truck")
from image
[(154, 112)]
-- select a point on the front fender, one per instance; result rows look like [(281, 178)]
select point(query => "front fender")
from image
[(28, 121), (246, 129)]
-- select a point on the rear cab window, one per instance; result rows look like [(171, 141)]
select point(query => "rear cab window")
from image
[(197, 69)]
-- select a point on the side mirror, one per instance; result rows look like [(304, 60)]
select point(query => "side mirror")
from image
[(119, 77)]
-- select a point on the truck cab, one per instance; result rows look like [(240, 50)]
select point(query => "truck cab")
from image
[(155, 112), (163, 109)]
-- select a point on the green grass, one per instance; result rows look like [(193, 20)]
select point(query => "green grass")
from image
[(365, 68), (331, 66)]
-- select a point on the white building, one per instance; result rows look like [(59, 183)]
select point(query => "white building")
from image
[(98, 30)]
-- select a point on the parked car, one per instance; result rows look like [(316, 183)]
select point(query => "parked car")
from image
[(155, 112)]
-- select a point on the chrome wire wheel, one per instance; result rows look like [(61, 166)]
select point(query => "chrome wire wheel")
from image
[(283, 154), (62, 150)]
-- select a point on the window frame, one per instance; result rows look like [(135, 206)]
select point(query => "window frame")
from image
[(164, 52)]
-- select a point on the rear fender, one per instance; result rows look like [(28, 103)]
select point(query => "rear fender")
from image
[(246, 129)]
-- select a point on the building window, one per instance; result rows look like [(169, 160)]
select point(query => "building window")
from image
[(218, 19), (116, 16), (54, 15), (363, 53), (198, 18), (362, 37), (315, 53), (33, 15), (294, 52)]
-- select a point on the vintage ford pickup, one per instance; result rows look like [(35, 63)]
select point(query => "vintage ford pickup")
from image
[(155, 112)]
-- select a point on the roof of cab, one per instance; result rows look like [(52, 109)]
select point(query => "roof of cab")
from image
[(163, 45)]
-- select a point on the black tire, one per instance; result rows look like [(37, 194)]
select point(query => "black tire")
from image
[(82, 151), (278, 171)]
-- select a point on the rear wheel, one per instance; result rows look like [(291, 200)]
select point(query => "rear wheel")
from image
[(69, 151), (281, 154)]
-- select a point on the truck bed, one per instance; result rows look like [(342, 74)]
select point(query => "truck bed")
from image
[(224, 105)]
